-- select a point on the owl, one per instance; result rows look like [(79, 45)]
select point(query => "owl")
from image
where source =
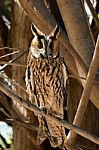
[(46, 78)]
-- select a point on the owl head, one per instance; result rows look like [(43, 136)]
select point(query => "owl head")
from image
[(43, 45)]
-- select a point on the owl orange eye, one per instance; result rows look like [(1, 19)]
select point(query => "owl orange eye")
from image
[(40, 45)]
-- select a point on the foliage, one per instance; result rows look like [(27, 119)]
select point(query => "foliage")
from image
[(5, 135), (8, 4)]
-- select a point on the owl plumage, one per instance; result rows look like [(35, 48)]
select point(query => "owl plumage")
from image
[(46, 78)]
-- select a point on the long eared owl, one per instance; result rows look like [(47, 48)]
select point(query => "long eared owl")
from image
[(46, 78)]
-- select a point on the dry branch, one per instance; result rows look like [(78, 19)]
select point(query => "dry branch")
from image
[(86, 93), (14, 83), (13, 116), (48, 116), (95, 16), (21, 53), (9, 54), (12, 64)]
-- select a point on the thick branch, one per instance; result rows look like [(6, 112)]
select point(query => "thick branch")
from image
[(59, 121), (86, 93)]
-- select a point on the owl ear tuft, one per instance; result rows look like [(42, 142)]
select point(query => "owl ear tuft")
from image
[(35, 30), (54, 34)]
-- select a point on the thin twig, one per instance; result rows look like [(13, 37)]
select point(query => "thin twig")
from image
[(23, 123), (80, 78), (11, 80), (5, 113), (14, 117), (48, 116), (86, 93), (9, 54), (9, 48), (12, 64), (21, 53), (95, 16)]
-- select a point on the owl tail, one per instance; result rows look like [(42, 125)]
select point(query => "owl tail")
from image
[(48, 129), (57, 134), (42, 133)]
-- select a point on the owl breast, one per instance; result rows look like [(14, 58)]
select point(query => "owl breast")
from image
[(46, 83)]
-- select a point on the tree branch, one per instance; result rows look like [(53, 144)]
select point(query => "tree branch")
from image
[(95, 16), (21, 53), (48, 116), (86, 93), (6, 55)]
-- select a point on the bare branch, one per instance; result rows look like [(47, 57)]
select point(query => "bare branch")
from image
[(14, 83), (21, 53), (95, 16), (86, 93), (25, 124), (9, 48), (81, 78), (9, 54), (48, 116), (5, 113), (12, 64)]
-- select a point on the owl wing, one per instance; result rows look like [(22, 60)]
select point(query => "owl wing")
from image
[(58, 96)]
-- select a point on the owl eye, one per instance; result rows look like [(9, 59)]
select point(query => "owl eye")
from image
[(40, 45), (51, 45)]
